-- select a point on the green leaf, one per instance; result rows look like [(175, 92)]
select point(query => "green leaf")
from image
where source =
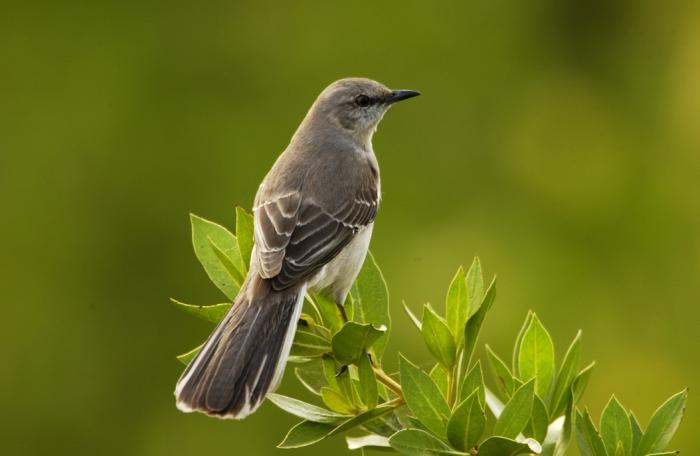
[(365, 441), (637, 433), (416, 442), (467, 423), (615, 427), (667, 453), (307, 432), (185, 358), (663, 424), (475, 286), (217, 249), (346, 387), (566, 376), (536, 357), (438, 338), (581, 381), (539, 420), (619, 449), (329, 311), (370, 300), (353, 340), (457, 305), (589, 441), (501, 446), (244, 235), (517, 412), (474, 380), (519, 341), (330, 371), (304, 410), (213, 313), (423, 397), (311, 376), (336, 401), (500, 370), (414, 319), (439, 375), (368, 382), (309, 344), (473, 326), (562, 442)]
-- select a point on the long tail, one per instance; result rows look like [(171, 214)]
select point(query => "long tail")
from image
[(244, 358)]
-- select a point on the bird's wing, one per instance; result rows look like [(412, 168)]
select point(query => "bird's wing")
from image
[(295, 236)]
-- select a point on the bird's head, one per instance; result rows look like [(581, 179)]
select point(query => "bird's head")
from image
[(358, 104)]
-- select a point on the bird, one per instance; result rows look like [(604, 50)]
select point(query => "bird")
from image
[(313, 217)]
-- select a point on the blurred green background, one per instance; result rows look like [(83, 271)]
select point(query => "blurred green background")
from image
[(557, 139)]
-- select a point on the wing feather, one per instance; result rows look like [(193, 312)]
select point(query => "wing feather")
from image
[(295, 236)]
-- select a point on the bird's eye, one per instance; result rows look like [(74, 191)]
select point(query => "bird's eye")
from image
[(362, 101)]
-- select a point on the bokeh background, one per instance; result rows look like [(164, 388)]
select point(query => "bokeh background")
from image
[(559, 140)]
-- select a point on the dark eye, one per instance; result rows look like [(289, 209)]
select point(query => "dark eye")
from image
[(362, 101)]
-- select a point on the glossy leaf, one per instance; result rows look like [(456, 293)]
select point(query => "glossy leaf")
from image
[(329, 311), (467, 423), (217, 249), (457, 305), (615, 427), (353, 340), (365, 441), (439, 376), (337, 401), (330, 371), (578, 387), (637, 433), (536, 357), (438, 338), (304, 410), (307, 432), (185, 358), (589, 441), (416, 442), (663, 424), (311, 376), (474, 323), (563, 440), (308, 343), (475, 286), (370, 300), (411, 316), (213, 313), (506, 381), (474, 380), (516, 412), (566, 376), (368, 382), (501, 446), (244, 236), (423, 397), (519, 341), (539, 420)]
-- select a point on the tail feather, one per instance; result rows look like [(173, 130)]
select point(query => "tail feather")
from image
[(244, 358)]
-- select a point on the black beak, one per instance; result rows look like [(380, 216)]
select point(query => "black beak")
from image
[(398, 95)]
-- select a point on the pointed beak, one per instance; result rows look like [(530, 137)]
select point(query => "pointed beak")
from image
[(398, 95)]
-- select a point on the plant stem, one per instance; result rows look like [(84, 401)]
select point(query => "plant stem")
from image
[(396, 402), (389, 382)]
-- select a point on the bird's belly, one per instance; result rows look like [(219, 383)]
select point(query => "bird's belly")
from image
[(338, 275)]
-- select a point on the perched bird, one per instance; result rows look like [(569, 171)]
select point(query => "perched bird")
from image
[(313, 219)]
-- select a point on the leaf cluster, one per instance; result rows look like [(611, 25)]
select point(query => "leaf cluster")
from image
[(446, 408)]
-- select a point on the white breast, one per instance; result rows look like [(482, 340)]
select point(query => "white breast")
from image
[(339, 274)]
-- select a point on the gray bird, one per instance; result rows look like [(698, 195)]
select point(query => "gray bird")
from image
[(313, 219)]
